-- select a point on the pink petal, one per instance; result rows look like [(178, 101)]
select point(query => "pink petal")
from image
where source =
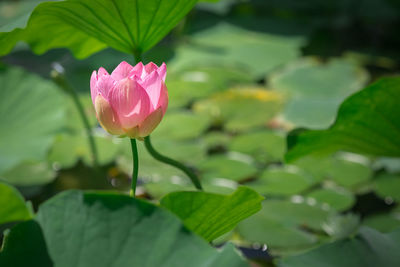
[(137, 70), (102, 71), (106, 116), (163, 101), (150, 123), (105, 84), (153, 85), (162, 71), (93, 88), (150, 67), (121, 71), (131, 102)]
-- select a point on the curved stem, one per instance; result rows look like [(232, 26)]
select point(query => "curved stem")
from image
[(193, 177), (135, 167), (60, 80)]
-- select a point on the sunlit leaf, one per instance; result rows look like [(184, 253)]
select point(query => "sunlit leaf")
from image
[(257, 107), (12, 205), (194, 83), (211, 215)]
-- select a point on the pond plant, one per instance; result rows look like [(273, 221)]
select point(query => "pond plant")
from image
[(262, 155)]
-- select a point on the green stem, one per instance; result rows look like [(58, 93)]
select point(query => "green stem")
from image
[(135, 167), (138, 57), (60, 80), (193, 177)]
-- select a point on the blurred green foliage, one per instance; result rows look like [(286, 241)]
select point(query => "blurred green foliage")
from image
[(241, 76)]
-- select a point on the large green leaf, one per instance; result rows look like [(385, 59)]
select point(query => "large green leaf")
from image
[(88, 26), (368, 248), (368, 122), (211, 215), (313, 90), (12, 205), (31, 112), (108, 229)]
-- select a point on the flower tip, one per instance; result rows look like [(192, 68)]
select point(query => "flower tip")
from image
[(102, 71), (162, 71)]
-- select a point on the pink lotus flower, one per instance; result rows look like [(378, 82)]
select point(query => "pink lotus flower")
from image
[(132, 100)]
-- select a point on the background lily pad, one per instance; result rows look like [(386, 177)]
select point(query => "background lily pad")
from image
[(337, 198), (223, 108), (314, 91), (367, 122), (369, 248), (281, 225), (29, 173), (264, 146), (229, 168), (31, 113), (387, 185), (282, 182), (225, 43)]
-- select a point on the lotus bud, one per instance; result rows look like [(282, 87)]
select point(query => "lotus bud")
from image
[(132, 100)]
